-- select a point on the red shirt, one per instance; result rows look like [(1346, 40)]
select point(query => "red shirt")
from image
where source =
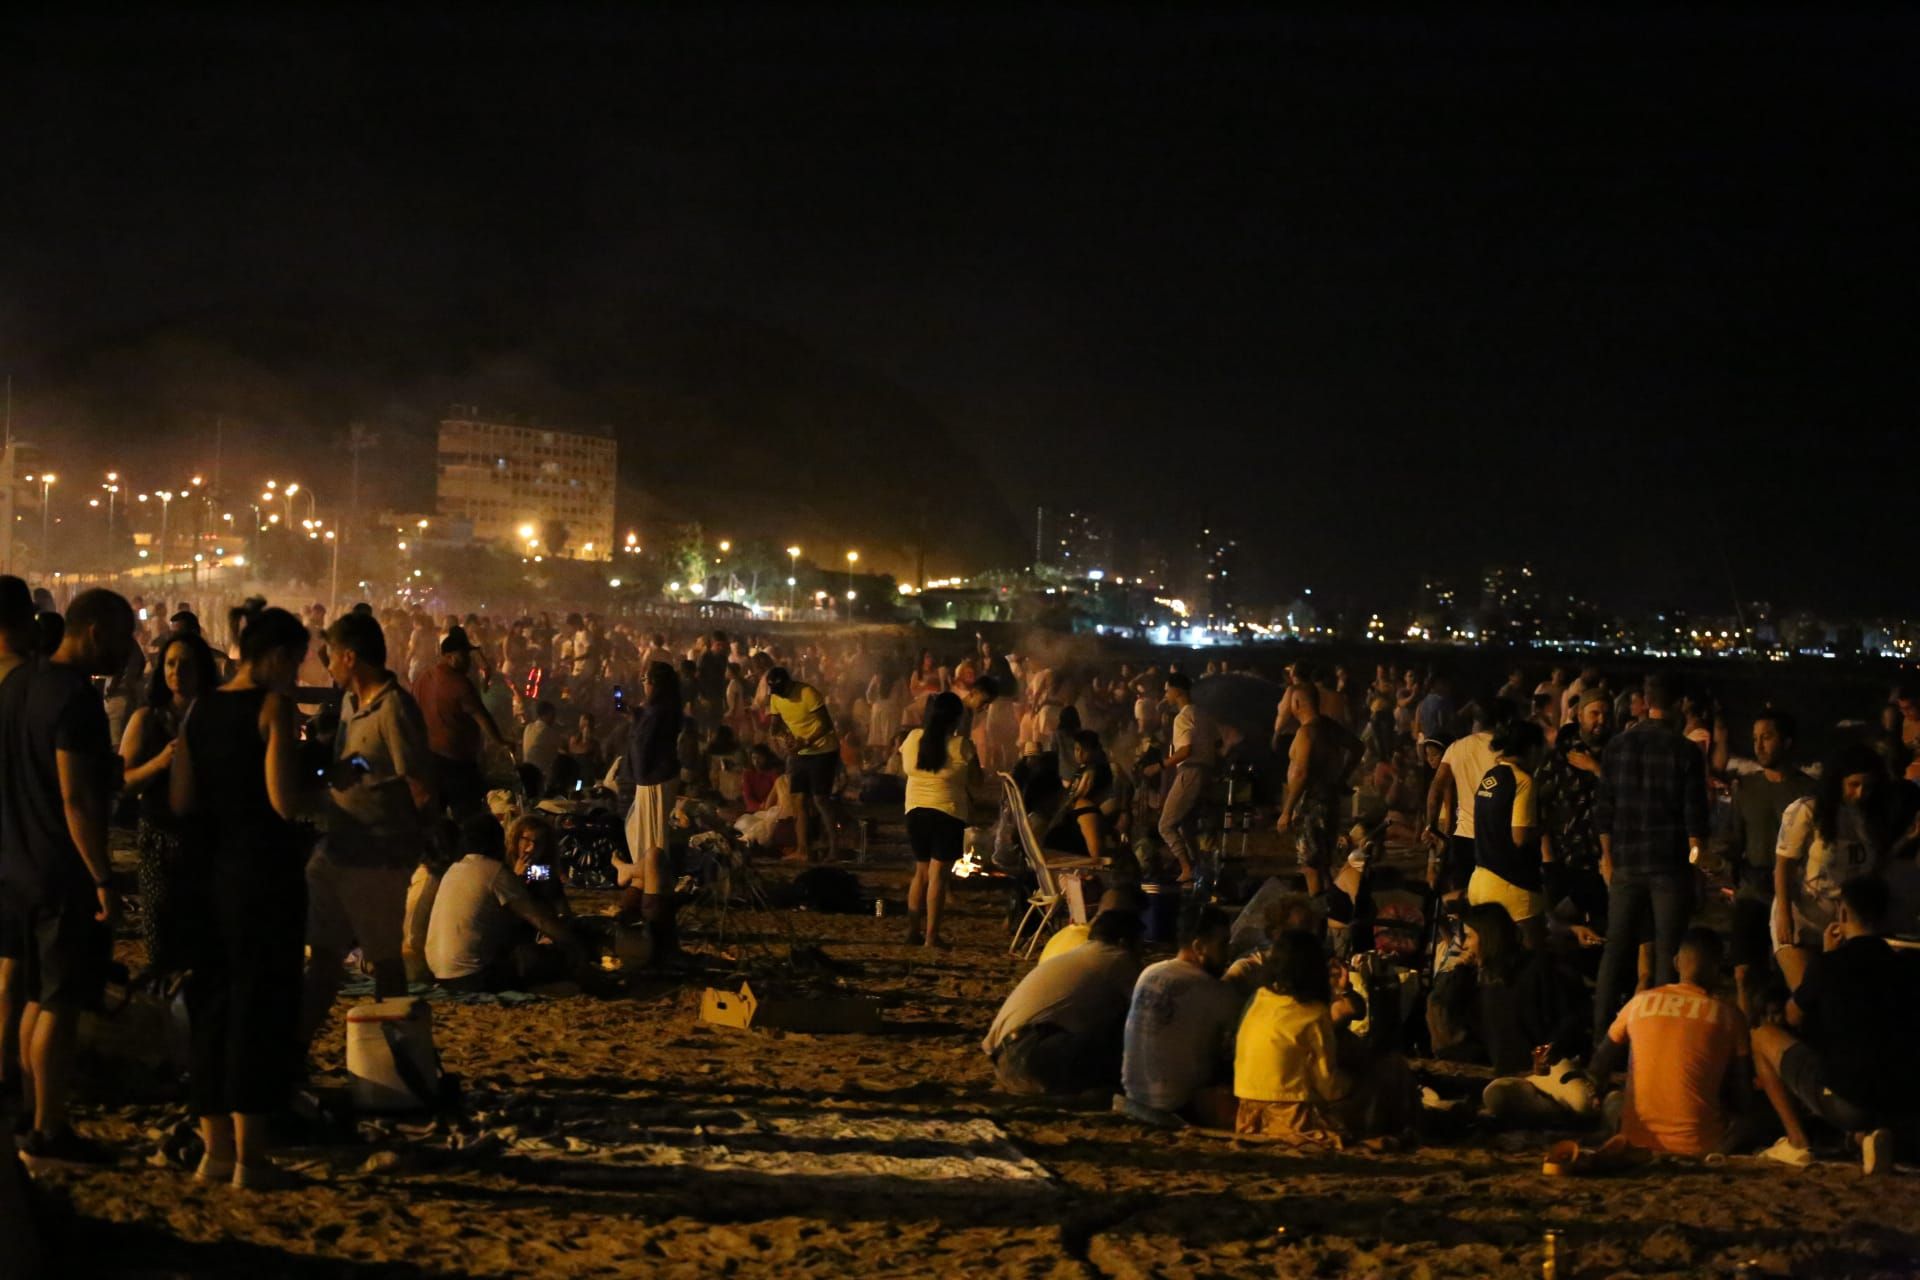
[(448, 701)]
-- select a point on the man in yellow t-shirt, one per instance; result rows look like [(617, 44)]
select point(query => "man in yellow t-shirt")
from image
[(814, 759)]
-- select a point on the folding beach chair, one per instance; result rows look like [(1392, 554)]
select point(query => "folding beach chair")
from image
[(1046, 898)]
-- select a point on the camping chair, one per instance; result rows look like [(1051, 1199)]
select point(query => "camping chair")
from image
[(1047, 896)]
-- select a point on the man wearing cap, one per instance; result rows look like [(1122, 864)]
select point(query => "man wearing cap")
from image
[(456, 719), (1566, 786)]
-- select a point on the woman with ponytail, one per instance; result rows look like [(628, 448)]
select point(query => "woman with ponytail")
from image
[(937, 769)]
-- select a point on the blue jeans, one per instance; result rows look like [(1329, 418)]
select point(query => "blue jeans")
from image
[(1633, 897)]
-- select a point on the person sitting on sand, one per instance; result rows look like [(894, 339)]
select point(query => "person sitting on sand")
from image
[(1179, 1036), (765, 797), (1853, 1061), (1524, 1003), (1060, 1031), (1285, 1073), (1685, 1050), (486, 916)]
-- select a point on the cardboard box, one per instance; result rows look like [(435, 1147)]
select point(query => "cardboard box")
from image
[(816, 1014)]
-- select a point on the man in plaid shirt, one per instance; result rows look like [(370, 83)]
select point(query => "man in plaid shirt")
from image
[(1651, 813)]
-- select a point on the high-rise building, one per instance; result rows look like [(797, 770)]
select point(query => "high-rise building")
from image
[(1075, 542), (521, 485), (1214, 590)]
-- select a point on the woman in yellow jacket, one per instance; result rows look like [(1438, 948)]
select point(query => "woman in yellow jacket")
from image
[(1286, 1072)]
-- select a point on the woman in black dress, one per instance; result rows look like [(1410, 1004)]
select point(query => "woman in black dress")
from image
[(172, 892), (236, 770)]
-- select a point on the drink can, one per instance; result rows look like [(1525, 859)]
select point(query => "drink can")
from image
[(1555, 1262)]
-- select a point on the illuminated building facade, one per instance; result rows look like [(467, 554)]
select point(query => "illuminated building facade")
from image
[(505, 479)]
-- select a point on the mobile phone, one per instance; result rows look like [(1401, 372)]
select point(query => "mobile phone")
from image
[(619, 698), (539, 871)]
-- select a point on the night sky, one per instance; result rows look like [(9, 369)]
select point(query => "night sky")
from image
[(1629, 296)]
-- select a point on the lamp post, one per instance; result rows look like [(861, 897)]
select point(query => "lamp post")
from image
[(333, 575), (46, 479), (793, 573), (166, 504), (853, 558)]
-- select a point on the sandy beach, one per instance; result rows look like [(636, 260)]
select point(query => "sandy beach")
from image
[(616, 1137)]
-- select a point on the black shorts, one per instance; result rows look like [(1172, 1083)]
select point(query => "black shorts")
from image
[(1804, 1073), (935, 836), (64, 955), (812, 775)]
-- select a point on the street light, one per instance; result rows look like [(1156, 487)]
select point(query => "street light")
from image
[(112, 486), (166, 506), (793, 569), (853, 558), (46, 503)]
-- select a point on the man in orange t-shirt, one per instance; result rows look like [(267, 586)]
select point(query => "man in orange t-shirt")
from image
[(1687, 1047)]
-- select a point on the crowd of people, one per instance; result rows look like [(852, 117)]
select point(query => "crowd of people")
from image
[(382, 788), (1615, 890)]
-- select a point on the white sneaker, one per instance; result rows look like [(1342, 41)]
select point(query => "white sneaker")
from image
[(1876, 1152), (1786, 1153), (1569, 1086)]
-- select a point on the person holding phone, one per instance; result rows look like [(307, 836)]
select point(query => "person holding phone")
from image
[(379, 793), (491, 910)]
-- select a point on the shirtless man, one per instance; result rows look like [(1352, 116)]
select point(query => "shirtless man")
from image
[(1320, 760)]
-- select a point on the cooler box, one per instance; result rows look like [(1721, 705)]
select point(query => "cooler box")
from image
[(1163, 911), (1081, 890), (390, 1056)]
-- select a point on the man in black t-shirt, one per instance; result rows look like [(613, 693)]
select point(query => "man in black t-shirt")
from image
[(1854, 1060), (57, 777)]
